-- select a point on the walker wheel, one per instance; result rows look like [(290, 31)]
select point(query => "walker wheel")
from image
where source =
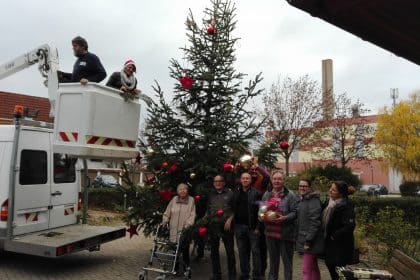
[(187, 273), (142, 275)]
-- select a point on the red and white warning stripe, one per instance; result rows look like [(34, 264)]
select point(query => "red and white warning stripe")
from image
[(104, 141), (68, 136), (68, 211), (31, 217)]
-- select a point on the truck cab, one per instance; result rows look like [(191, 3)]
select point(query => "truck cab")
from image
[(47, 201)]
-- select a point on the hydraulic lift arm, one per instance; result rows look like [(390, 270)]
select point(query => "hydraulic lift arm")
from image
[(47, 59)]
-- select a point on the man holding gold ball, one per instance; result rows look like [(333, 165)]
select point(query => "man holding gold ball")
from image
[(278, 212)]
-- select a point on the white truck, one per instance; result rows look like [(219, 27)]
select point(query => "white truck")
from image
[(40, 173)]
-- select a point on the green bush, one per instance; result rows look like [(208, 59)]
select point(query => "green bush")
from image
[(292, 183), (409, 205), (409, 188), (391, 229), (106, 198), (322, 177)]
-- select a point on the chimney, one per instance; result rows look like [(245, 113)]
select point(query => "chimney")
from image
[(327, 89), (355, 111)]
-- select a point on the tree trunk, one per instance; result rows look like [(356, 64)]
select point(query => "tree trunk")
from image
[(287, 166)]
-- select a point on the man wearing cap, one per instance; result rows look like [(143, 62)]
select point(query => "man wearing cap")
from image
[(87, 68), (125, 80)]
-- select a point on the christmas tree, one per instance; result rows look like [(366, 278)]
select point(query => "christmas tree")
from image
[(206, 127)]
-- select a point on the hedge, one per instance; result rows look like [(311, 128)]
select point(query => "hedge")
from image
[(410, 206), (105, 198)]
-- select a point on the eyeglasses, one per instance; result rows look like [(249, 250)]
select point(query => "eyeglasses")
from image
[(303, 186), (218, 181)]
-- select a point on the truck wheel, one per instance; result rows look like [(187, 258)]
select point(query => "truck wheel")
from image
[(161, 277)]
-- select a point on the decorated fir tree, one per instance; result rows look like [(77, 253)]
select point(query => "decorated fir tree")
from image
[(207, 125)]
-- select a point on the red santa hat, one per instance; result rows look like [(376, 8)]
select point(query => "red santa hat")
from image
[(130, 62)]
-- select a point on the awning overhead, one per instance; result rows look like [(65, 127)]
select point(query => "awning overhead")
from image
[(391, 24)]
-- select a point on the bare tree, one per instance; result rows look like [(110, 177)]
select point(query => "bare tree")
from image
[(348, 136), (291, 107)]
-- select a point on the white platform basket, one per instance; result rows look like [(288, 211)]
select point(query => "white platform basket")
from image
[(94, 121)]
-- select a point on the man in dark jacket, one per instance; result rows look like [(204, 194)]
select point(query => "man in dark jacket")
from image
[(87, 68), (220, 215), (247, 231)]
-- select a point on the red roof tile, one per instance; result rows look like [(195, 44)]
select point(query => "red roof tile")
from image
[(8, 101)]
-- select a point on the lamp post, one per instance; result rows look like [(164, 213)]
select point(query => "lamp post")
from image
[(371, 173)]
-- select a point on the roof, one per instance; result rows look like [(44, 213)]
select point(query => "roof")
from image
[(392, 24), (8, 101)]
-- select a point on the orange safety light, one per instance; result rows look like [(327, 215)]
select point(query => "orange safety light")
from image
[(18, 111)]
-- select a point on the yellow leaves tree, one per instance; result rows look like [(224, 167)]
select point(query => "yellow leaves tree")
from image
[(398, 134)]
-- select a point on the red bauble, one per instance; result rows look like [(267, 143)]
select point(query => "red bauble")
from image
[(284, 145), (197, 197), (165, 195), (173, 168), (220, 212), (202, 232), (186, 82), (150, 179), (211, 30), (164, 165), (227, 167), (272, 204)]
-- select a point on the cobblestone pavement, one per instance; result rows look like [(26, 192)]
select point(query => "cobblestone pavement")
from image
[(119, 259)]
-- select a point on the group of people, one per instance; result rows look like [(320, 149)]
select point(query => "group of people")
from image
[(88, 68), (300, 223)]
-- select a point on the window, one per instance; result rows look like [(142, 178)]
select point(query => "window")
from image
[(64, 169), (33, 167)]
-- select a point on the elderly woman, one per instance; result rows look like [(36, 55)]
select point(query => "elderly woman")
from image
[(125, 80), (338, 223), (180, 214)]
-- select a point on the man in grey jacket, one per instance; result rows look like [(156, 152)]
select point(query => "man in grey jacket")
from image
[(220, 215), (280, 231)]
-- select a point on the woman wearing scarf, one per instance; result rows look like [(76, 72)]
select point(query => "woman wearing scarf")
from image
[(338, 223), (125, 79)]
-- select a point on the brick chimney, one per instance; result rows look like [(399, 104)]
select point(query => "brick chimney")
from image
[(327, 89)]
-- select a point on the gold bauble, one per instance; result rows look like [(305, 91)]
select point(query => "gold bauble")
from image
[(149, 151), (246, 161), (270, 215)]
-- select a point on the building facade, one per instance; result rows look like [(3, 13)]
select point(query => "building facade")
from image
[(371, 168)]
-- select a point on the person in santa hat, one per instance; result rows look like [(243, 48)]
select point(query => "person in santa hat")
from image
[(125, 79)]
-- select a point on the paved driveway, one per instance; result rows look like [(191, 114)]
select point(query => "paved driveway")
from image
[(119, 259)]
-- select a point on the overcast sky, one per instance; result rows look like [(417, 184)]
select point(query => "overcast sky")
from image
[(276, 39)]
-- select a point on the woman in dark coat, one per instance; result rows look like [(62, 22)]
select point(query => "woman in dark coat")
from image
[(339, 224), (310, 238)]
